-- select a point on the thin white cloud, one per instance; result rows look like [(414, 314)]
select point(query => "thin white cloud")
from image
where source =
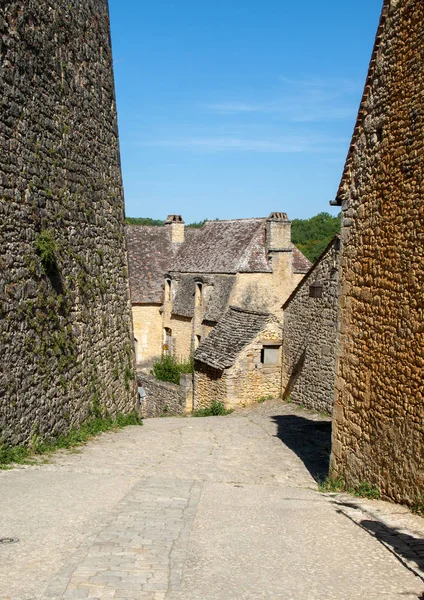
[(301, 100), (287, 145)]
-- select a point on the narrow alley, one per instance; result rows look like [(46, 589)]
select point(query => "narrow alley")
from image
[(218, 508)]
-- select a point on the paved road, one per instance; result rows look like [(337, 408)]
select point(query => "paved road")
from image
[(223, 508)]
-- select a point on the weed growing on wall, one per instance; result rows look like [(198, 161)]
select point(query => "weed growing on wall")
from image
[(46, 249)]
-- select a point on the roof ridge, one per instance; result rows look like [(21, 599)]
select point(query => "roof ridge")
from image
[(235, 220), (249, 311)]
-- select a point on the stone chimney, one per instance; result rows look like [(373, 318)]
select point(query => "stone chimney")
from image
[(176, 223), (278, 232)]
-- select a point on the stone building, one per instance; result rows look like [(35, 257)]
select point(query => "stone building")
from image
[(240, 361), (310, 331), (65, 318), (179, 296), (151, 251), (379, 405)]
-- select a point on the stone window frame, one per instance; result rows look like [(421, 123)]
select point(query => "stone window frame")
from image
[(271, 345)]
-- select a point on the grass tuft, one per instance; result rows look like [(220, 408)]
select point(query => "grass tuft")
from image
[(21, 455), (338, 485), (216, 409)]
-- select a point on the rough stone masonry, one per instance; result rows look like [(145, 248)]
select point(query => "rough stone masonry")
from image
[(379, 405), (65, 323)]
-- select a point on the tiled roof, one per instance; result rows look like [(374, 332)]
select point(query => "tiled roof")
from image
[(234, 331), (219, 247), (225, 247), (300, 263), (150, 253)]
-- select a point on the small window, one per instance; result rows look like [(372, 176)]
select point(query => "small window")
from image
[(270, 355), (197, 341), (315, 290), (199, 294), (168, 287)]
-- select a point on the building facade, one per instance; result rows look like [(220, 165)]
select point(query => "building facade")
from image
[(378, 433)]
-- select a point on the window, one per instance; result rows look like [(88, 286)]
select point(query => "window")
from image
[(197, 341), (199, 294), (167, 341), (168, 288), (315, 290), (270, 355)]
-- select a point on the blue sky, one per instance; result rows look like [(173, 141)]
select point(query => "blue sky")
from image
[(237, 109)]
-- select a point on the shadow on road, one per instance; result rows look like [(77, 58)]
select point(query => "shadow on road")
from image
[(310, 440), (408, 548)]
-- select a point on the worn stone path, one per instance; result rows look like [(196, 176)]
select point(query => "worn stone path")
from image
[(220, 508)]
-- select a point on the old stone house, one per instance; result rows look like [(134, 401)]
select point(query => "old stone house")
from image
[(378, 434), (310, 331), (240, 361), (184, 279), (151, 251)]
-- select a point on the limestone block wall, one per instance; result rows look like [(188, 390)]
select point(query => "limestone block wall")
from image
[(182, 334), (148, 331), (65, 320), (309, 338), (379, 405), (163, 398)]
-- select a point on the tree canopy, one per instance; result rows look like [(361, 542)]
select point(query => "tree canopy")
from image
[(312, 235)]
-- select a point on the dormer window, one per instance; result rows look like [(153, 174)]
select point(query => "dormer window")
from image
[(199, 294)]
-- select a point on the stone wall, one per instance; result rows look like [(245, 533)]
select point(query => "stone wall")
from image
[(148, 331), (165, 399), (65, 320), (379, 405), (309, 339), (209, 386)]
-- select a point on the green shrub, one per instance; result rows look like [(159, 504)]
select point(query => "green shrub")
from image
[(46, 249), (169, 369), (216, 409)]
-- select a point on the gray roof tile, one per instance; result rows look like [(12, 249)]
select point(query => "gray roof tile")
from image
[(234, 331)]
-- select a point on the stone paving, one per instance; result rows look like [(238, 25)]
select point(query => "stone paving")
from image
[(202, 509)]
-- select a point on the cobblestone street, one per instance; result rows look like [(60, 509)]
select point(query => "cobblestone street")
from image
[(219, 508)]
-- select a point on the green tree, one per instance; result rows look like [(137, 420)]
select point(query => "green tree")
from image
[(312, 235)]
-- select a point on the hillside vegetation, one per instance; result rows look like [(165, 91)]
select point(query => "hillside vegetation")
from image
[(311, 236)]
